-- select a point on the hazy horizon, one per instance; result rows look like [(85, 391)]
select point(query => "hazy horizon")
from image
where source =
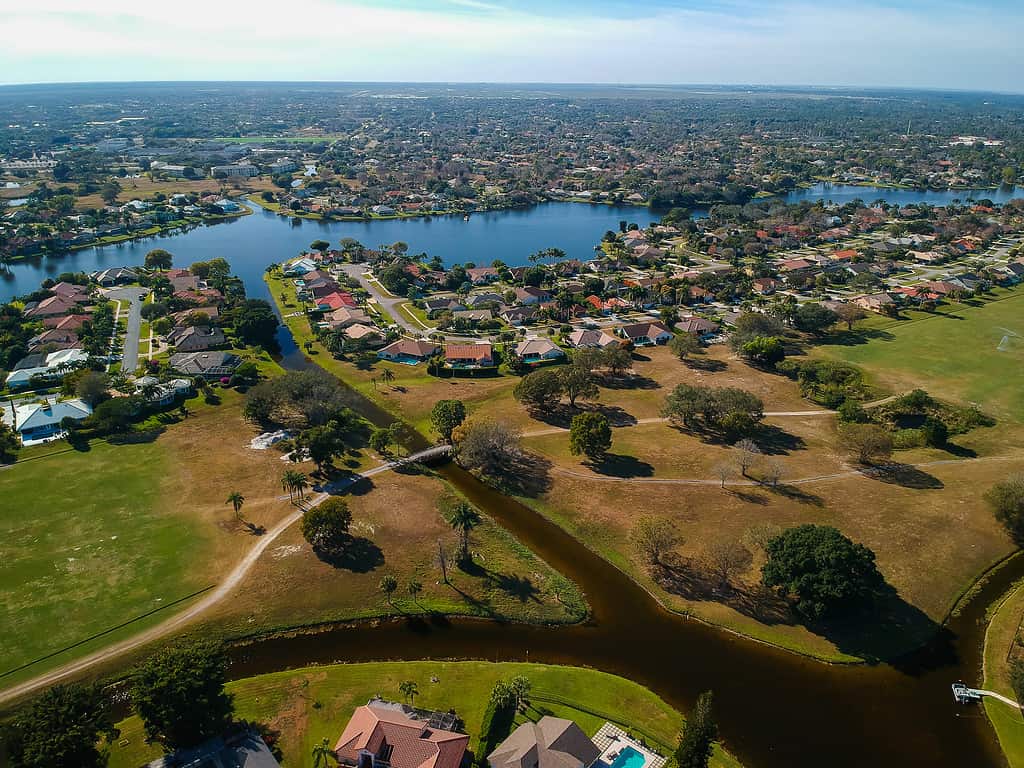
[(908, 45)]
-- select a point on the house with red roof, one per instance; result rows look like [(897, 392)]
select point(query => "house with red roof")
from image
[(386, 735)]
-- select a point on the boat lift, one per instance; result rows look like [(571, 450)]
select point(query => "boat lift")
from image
[(964, 695)]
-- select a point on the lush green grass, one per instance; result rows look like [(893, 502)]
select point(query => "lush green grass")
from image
[(954, 354), (307, 705), (999, 640), (87, 541)]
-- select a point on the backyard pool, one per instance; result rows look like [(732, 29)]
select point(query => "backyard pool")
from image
[(629, 758)]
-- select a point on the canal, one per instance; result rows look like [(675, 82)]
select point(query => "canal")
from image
[(775, 708)]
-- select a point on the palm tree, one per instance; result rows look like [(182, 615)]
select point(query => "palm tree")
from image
[(388, 584), (301, 484), (409, 690), (294, 482), (415, 587), (236, 499), (464, 518), (387, 375), (322, 754)]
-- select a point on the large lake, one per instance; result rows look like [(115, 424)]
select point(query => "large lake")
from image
[(252, 242)]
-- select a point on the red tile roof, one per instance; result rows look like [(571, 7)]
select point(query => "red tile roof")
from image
[(401, 741)]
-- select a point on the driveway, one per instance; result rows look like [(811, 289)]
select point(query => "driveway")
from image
[(130, 355), (385, 300)]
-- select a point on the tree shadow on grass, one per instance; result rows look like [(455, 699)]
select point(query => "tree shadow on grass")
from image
[(960, 451), (705, 364), (885, 632), (617, 465), (795, 493), (628, 381), (358, 555), (750, 497), (856, 337), (528, 474), (687, 579), (905, 475), (776, 441), (562, 414)]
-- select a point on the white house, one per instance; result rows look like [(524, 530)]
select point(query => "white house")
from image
[(298, 267), (52, 366), (37, 422)]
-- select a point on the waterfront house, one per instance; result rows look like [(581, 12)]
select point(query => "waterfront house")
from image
[(346, 316), (382, 734), (51, 306), (114, 276), (482, 275), (551, 742), (298, 267)]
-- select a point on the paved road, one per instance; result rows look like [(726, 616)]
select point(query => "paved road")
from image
[(130, 355), (385, 300), (211, 598)]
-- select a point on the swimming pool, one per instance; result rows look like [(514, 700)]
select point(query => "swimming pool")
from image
[(629, 758)]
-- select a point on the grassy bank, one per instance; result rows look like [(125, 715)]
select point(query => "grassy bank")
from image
[(1002, 643), (307, 705)]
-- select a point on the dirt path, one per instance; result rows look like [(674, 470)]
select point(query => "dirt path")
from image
[(870, 472), (659, 420), (210, 599)]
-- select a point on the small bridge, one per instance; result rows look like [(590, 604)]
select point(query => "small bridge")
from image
[(341, 484)]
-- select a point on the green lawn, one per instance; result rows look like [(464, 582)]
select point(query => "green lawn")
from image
[(86, 543), (307, 705), (965, 353), (999, 639)]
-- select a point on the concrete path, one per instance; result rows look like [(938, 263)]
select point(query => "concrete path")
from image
[(1000, 697), (130, 354), (211, 598)]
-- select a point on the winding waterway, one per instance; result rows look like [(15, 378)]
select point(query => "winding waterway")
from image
[(775, 708)]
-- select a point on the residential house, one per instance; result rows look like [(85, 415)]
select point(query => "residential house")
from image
[(519, 315), (71, 291), (54, 339), (162, 393), (875, 302), (442, 304), (480, 300), (472, 316), (409, 351), (65, 322), (182, 280), (551, 742), (114, 276), (211, 312), (532, 295), (386, 735), (209, 365), (346, 316), (698, 326), (36, 422), (482, 275), (196, 338), (46, 367), (538, 351), (591, 338), (764, 285), (51, 306), (645, 334), (469, 356), (242, 749), (366, 335), (298, 267)]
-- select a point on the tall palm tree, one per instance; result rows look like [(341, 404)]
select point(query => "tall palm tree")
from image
[(301, 484), (295, 483), (415, 587), (409, 690), (387, 375), (464, 518), (236, 500), (322, 754)]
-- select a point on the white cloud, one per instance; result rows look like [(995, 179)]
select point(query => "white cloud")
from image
[(798, 42)]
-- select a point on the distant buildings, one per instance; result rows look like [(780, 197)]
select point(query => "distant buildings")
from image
[(244, 170)]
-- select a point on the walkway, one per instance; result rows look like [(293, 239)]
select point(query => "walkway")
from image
[(211, 598), (659, 420)]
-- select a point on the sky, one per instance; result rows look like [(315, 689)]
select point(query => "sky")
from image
[(914, 43)]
